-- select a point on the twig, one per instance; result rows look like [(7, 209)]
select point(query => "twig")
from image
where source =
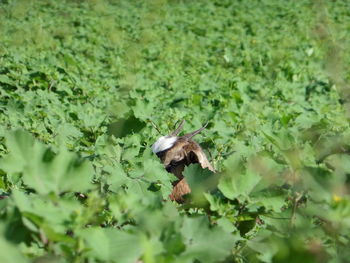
[(296, 199), (154, 126)]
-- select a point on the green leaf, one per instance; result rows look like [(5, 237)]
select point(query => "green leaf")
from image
[(5, 79), (196, 176), (43, 170), (116, 178), (132, 148), (204, 243), (236, 182), (10, 253), (271, 199), (200, 181), (263, 246), (112, 245), (52, 215)]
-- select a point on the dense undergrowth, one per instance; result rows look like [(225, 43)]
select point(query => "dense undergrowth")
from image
[(81, 83)]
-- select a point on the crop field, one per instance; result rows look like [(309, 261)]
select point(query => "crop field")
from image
[(87, 86)]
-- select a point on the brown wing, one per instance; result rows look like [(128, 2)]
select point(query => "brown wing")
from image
[(197, 155), (194, 154), (183, 153)]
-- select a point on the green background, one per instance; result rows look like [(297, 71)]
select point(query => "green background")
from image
[(82, 83)]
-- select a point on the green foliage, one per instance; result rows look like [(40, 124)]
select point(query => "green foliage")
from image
[(81, 83), (202, 243), (111, 244), (42, 170)]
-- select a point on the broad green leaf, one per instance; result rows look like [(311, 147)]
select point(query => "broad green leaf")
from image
[(107, 78), (10, 252), (112, 245), (132, 147), (236, 182), (266, 250), (51, 215), (43, 170), (116, 178), (271, 199), (200, 181), (5, 79), (204, 243), (196, 176)]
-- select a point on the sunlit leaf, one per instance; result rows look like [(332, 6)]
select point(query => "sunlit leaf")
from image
[(200, 240), (112, 245), (43, 170)]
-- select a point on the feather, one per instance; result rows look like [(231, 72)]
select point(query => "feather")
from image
[(197, 155), (163, 143), (178, 152)]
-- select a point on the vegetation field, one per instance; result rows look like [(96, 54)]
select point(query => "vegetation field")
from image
[(83, 83)]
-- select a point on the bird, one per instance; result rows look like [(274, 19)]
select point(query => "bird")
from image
[(177, 152)]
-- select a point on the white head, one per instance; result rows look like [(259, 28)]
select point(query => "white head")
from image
[(164, 143), (172, 149)]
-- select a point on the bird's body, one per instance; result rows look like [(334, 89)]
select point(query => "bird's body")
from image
[(176, 153)]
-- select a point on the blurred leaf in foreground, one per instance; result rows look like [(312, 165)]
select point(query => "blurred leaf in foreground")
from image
[(112, 245), (200, 180), (204, 243), (9, 252), (43, 170), (236, 182)]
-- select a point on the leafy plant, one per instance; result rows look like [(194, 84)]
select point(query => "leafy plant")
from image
[(82, 84)]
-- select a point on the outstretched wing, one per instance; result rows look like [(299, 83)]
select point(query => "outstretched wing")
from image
[(197, 155)]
